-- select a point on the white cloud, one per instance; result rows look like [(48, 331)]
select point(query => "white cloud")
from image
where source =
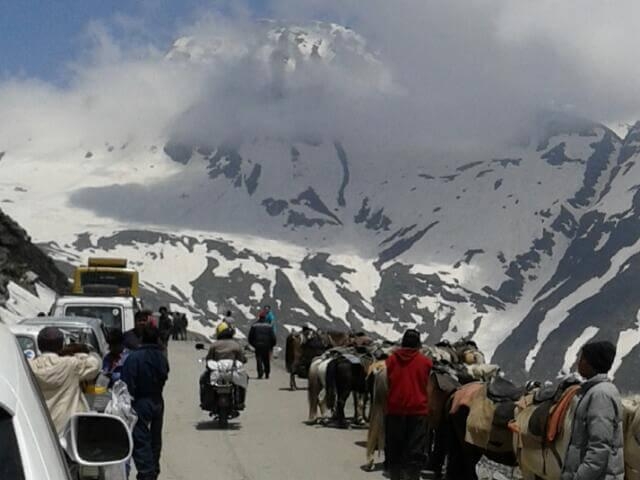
[(425, 74)]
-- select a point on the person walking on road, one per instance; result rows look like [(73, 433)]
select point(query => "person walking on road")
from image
[(262, 338), (133, 338), (145, 372), (59, 372), (114, 360), (595, 450), (270, 317), (165, 325), (407, 408)]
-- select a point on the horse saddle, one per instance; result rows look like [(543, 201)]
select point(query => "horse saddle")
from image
[(353, 359), (547, 419), (502, 390)]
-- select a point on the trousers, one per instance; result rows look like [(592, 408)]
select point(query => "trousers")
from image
[(147, 437), (263, 362), (405, 445)]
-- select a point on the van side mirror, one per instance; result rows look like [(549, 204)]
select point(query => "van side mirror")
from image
[(200, 346), (97, 440)]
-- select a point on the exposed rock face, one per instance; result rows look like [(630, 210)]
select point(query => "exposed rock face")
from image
[(23, 262)]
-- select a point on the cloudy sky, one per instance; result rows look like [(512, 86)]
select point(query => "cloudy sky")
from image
[(443, 74)]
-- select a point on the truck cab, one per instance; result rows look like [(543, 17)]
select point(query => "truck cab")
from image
[(115, 312), (106, 275)]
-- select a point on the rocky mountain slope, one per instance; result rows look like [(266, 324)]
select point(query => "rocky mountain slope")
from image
[(28, 277), (529, 248)]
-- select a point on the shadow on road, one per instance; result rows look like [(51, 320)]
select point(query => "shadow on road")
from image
[(213, 425), (287, 389)]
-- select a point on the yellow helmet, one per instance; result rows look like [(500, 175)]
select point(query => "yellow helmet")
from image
[(224, 326)]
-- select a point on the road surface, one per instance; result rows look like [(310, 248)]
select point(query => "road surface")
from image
[(269, 441)]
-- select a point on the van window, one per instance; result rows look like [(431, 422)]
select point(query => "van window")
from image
[(10, 459), (111, 316)]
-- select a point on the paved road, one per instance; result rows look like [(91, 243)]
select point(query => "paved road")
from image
[(269, 441)]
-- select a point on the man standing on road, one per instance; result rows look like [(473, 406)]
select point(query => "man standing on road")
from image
[(262, 338), (596, 448), (59, 372), (145, 372), (133, 338), (270, 316), (115, 358), (165, 325), (407, 408)]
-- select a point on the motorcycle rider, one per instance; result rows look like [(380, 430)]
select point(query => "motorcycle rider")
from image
[(224, 348)]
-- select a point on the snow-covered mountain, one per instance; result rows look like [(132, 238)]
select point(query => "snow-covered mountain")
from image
[(530, 251)]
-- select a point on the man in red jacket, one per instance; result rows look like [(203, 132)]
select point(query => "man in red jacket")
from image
[(407, 408)]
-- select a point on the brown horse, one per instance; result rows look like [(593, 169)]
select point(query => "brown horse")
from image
[(303, 346)]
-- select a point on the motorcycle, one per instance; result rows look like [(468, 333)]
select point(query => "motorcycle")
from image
[(223, 387)]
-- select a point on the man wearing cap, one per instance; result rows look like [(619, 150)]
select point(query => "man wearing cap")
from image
[(59, 372), (595, 451), (407, 408)]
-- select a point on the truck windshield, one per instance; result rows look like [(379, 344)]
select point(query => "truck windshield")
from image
[(118, 279), (111, 316)]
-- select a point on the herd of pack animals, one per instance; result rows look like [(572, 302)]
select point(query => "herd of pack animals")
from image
[(474, 411)]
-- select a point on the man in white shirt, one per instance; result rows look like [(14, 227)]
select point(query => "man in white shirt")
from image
[(59, 376)]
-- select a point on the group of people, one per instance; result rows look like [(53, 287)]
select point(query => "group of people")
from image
[(262, 338), (137, 357), (172, 325), (595, 451)]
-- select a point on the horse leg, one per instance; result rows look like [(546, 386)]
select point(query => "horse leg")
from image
[(438, 450), (292, 382), (461, 464)]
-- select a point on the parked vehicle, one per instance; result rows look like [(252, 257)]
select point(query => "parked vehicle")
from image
[(31, 450), (116, 312), (27, 336), (223, 388), (106, 275), (86, 329)]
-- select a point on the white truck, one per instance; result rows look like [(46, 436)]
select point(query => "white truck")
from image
[(115, 312)]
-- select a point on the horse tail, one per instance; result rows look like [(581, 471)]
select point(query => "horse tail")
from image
[(289, 352), (378, 392), (330, 383)]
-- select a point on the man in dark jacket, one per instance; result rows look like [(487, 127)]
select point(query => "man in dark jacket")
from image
[(262, 338), (145, 372), (165, 324), (407, 408), (133, 338), (595, 451)]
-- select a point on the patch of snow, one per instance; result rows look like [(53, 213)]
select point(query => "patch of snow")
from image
[(627, 341), (556, 316), (571, 355)]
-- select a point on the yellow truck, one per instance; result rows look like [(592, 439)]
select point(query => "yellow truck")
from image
[(106, 275)]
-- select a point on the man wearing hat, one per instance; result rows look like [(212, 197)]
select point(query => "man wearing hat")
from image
[(59, 372), (407, 408), (596, 448)]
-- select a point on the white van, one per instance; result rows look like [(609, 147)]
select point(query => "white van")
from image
[(115, 312)]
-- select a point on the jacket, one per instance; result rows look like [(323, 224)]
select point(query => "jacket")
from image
[(262, 336), (595, 450), (59, 381), (145, 372), (408, 374), (131, 340), (227, 349)]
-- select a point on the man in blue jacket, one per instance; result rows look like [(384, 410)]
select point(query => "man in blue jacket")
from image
[(145, 372)]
